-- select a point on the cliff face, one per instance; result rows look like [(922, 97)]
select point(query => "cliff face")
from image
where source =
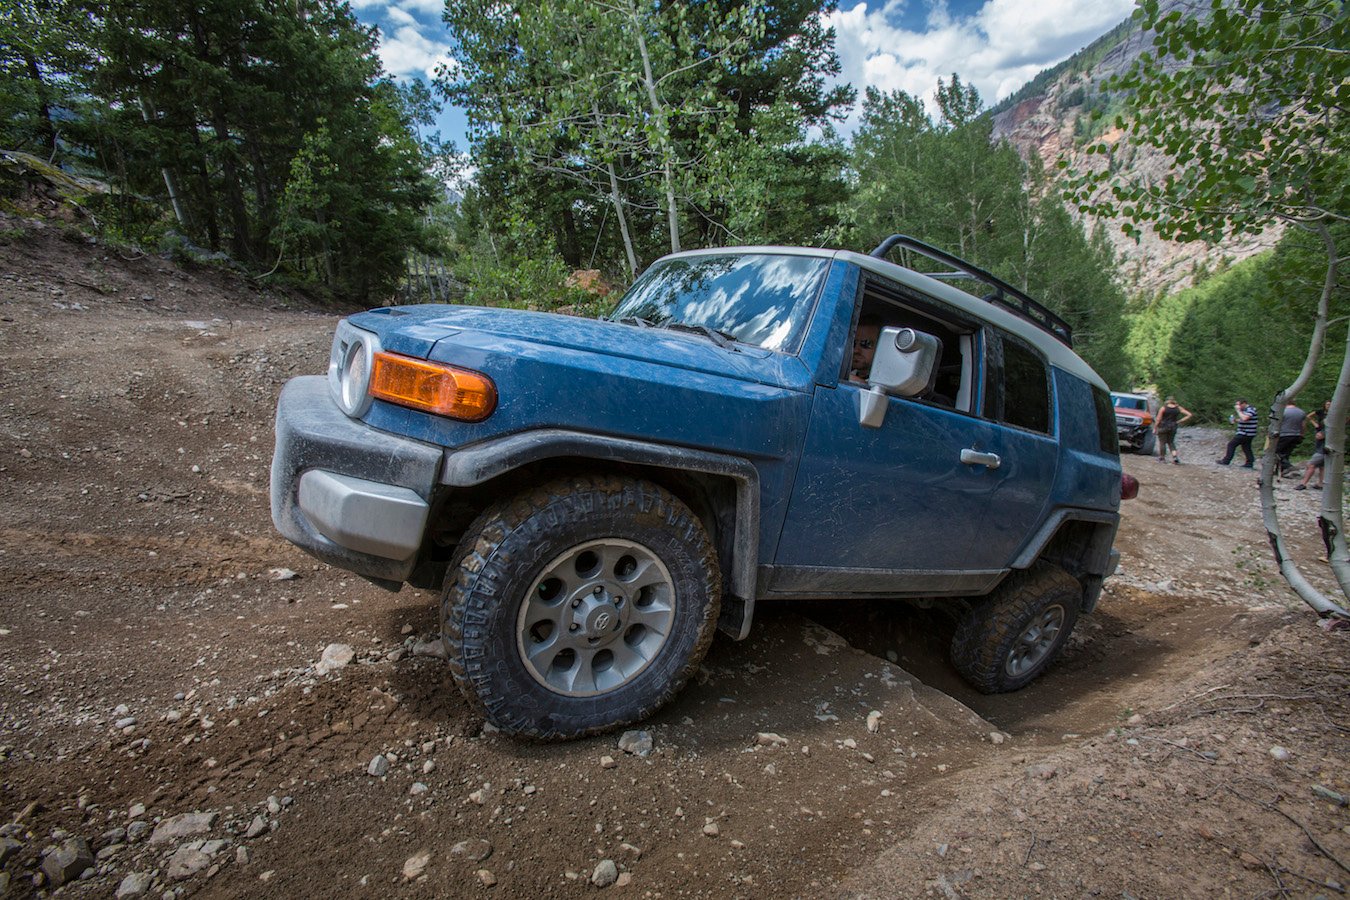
[(1052, 118)]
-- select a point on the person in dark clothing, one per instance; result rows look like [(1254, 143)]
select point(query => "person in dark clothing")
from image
[(1170, 417), (1245, 419), (1318, 463), (1291, 435)]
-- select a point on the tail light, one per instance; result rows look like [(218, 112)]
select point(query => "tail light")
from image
[(1129, 486), (432, 387)]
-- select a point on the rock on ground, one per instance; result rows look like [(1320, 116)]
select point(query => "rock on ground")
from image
[(182, 826)]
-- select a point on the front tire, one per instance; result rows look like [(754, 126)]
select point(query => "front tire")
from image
[(1149, 443), (1009, 639), (579, 606)]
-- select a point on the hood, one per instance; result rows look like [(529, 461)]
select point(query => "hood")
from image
[(1142, 415), (417, 330)]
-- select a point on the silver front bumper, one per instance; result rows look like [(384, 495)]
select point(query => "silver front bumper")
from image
[(365, 516), (346, 493)]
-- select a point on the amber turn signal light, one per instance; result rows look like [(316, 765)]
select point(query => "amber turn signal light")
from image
[(433, 387)]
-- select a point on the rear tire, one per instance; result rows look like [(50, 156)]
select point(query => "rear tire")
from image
[(579, 606), (1005, 642)]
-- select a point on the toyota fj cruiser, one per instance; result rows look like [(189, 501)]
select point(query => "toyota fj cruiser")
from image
[(595, 497), (1134, 420)]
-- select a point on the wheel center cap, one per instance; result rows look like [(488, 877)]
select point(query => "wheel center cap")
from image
[(598, 614)]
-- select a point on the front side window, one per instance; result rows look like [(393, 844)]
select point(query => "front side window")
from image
[(887, 305), (760, 299)]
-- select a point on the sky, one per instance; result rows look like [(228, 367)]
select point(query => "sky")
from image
[(996, 45)]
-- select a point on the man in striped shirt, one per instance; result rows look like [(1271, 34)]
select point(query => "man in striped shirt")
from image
[(1244, 417)]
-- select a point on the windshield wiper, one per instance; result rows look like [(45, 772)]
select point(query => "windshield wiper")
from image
[(720, 338), (635, 320)]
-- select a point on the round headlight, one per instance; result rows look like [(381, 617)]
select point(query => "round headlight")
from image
[(354, 377), (349, 368)]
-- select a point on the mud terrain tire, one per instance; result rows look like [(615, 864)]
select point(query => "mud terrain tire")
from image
[(1149, 443), (545, 637), (1011, 637)]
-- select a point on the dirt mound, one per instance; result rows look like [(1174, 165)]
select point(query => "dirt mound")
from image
[(160, 649)]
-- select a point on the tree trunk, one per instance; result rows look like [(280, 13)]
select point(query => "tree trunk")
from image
[(208, 193), (616, 198), (662, 132), (571, 247), (1331, 517), (234, 192), (48, 130), (1270, 467), (322, 221), (169, 185)]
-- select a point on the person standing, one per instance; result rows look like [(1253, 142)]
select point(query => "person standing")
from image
[(1244, 418), (1291, 435), (1170, 417), (1317, 464)]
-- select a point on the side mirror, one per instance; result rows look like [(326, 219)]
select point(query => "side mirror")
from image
[(906, 365)]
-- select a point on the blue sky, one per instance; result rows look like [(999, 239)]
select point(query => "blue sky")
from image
[(997, 45)]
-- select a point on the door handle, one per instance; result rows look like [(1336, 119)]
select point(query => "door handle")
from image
[(979, 458)]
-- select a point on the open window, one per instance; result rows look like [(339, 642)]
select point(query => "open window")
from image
[(885, 304)]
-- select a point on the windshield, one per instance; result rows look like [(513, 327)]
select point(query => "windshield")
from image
[(758, 299), (1129, 402)]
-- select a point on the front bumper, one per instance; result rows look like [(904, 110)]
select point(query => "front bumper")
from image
[(1131, 433), (350, 495)]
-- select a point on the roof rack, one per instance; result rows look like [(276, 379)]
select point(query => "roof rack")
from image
[(1003, 294)]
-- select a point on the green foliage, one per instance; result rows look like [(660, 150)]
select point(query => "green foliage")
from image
[(946, 183), (1240, 332), (46, 51), (513, 266), (637, 127), (258, 128)]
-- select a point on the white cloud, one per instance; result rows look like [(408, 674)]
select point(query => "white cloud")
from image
[(400, 17), (409, 52), (998, 49), (368, 4), (432, 8)]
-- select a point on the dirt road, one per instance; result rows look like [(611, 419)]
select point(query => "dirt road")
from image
[(160, 650)]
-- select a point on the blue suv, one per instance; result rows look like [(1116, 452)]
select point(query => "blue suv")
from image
[(596, 498)]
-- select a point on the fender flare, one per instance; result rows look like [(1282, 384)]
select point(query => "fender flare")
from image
[(1100, 559), (484, 461)]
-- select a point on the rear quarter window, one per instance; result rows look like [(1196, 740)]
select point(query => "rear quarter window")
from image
[(1106, 421), (1026, 388)]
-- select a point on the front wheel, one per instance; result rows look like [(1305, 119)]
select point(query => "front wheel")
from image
[(1149, 443), (581, 605), (1011, 637)]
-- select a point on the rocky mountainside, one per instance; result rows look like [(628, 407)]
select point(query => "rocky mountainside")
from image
[(1054, 116)]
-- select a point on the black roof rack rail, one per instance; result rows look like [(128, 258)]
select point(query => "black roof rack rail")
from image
[(1004, 294)]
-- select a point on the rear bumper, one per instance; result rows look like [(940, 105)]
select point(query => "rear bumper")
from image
[(350, 495)]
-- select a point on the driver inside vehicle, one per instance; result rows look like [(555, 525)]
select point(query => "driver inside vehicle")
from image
[(864, 348)]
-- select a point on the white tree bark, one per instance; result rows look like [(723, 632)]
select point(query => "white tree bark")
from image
[(660, 118), (1332, 494)]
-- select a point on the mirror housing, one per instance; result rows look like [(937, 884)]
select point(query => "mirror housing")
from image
[(905, 365)]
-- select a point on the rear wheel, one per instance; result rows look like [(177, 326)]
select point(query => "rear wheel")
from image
[(580, 605), (1011, 637)]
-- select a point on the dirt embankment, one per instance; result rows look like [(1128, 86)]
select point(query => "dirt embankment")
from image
[(159, 643)]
